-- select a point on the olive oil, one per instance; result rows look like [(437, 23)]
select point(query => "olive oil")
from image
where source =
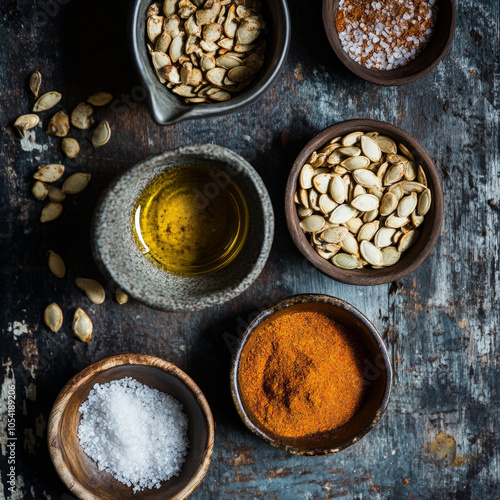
[(191, 220)]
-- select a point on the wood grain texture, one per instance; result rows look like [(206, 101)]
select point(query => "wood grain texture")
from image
[(441, 323)]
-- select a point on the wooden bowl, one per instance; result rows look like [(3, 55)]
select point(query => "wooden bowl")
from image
[(378, 375), (437, 48), (429, 231), (80, 473)]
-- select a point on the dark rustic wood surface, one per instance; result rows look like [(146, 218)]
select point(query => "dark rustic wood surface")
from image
[(441, 323)]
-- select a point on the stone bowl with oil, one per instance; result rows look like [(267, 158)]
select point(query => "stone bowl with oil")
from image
[(185, 230)]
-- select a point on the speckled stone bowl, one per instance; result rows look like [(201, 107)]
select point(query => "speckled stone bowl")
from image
[(120, 260)]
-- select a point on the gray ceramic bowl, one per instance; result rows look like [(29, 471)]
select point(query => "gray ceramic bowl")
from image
[(168, 108), (120, 260), (378, 375)]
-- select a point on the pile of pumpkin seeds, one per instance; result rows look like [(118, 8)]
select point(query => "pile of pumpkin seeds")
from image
[(362, 198), (45, 176), (206, 50)]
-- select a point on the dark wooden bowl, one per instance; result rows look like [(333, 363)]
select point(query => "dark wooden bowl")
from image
[(79, 472), (422, 64), (378, 375), (429, 231)]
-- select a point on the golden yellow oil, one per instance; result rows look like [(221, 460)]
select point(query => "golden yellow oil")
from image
[(191, 220)]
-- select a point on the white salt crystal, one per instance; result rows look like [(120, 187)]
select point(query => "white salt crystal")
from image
[(135, 433)]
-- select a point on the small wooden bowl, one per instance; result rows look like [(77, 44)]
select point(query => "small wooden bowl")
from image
[(80, 473), (437, 48), (378, 375), (429, 231)]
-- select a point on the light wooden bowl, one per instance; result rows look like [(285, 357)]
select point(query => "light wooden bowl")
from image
[(422, 64), (430, 229), (80, 473)]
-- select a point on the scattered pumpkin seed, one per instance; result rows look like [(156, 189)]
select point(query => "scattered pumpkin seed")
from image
[(76, 183), (35, 83), (101, 135), (53, 317), (26, 122), (81, 116), (100, 98), (47, 101), (121, 297), (40, 190), (49, 173), (56, 194), (92, 288), (51, 211), (59, 124), (82, 325), (56, 265), (70, 147)]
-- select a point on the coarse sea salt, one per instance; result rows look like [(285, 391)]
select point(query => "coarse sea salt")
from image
[(135, 433)]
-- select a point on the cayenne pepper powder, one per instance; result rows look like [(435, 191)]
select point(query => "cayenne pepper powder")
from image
[(385, 34), (302, 375)]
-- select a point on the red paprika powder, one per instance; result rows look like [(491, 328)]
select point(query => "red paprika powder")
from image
[(302, 375)]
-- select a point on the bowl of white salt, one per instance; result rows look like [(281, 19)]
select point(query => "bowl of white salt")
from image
[(131, 426)]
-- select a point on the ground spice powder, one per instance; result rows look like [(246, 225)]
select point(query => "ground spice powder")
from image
[(302, 375)]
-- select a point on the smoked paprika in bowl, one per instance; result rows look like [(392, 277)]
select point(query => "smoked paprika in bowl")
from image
[(311, 375)]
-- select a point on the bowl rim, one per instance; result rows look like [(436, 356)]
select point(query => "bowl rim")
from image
[(155, 89), (76, 487), (249, 331), (344, 276), (208, 151), (372, 76)]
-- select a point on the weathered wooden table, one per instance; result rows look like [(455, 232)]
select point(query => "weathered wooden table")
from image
[(441, 324)]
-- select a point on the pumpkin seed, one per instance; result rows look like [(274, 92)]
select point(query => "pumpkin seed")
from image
[(366, 178), (388, 204), (407, 205), (411, 171), (350, 151), (154, 27), (53, 317), (121, 297), (346, 261), (383, 237), (239, 74), (424, 202), (313, 199), (70, 147), (335, 235), (350, 245), (355, 162), (396, 222), (367, 231), (26, 122), (81, 116), (394, 173), (304, 198), (358, 191), (82, 325), (370, 148), (407, 240), (76, 183), (386, 144), (371, 253), (326, 204), (49, 173), (304, 212), (56, 265), (306, 175), (40, 190), (416, 220), (55, 194), (312, 224), (101, 135), (390, 256), (353, 225), (100, 98), (337, 189), (59, 124), (365, 202), (412, 187), (50, 212), (321, 182), (35, 83), (92, 288), (406, 152), (370, 216), (342, 214), (325, 253), (351, 139), (421, 177), (47, 101)]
